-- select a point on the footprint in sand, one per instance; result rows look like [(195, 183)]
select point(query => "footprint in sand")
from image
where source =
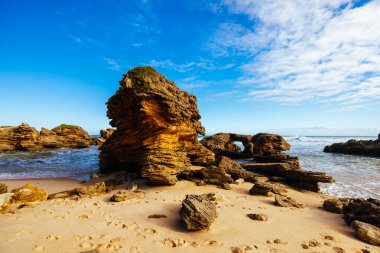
[(52, 237), (150, 231), (38, 248), (241, 249), (59, 217), (86, 245), (134, 250), (213, 243), (178, 243)]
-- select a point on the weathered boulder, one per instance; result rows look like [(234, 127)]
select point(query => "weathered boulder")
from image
[(3, 188), (285, 201), (95, 189), (29, 193), (157, 127), (267, 144), (198, 212), (223, 144), (5, 200), (366, 232), (104, 135), (27, 138), (214, 175), (335, 205), (234, 169), (367, 211), (126, 195), (356, 147), (266, 189)]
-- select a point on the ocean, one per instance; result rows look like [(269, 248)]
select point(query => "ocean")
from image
[(355, 176)]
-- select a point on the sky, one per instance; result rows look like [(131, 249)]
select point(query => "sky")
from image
[(294, 67)]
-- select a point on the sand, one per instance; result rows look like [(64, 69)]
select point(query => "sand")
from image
[(96, 223)]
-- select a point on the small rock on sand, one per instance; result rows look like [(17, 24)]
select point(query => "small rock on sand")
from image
[(198, 212), (284, 201), (259, 217), (29, 193), (125, 195)]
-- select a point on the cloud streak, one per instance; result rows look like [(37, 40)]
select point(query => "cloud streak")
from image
[(305, 51)]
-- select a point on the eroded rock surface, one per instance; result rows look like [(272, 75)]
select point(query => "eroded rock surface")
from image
[(335, 205), (126, 195), (267, 189), (27, 138), (356, 147), (285, 201), (3, 188), (270, 160), (223, 144), (366, 232), (95, 189), (29, 193), (104, 135), (198, 212), (157, 126), (256, 216), (367, 211)]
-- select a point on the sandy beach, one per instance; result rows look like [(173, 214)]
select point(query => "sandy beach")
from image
[(95, 223)]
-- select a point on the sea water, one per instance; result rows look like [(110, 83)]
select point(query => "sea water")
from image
[(356, 176)]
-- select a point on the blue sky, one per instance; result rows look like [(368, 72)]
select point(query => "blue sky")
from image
[(290, 67)]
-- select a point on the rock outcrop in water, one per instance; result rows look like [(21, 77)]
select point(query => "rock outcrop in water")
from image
[(104, 135), (27, 138), (269, 159), (157, 126), (356, 147)]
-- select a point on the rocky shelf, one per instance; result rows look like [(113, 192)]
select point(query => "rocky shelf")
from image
[(356, 147), (27, 138)]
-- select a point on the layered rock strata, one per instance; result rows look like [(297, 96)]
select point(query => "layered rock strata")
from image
[(223, 144), (356, 147), (269, 159), (198, 212), (27, 138), (157, 127)]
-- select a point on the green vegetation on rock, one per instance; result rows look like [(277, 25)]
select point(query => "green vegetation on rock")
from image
[(64, 126), (137, 75), (141, 72)]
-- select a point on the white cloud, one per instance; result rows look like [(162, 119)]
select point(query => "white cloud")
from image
[(112, 64), (305, 51)]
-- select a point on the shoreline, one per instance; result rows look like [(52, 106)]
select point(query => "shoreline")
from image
[(91, 223)]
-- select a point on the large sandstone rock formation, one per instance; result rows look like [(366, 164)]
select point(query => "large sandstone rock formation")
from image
[(356, 147), (157, 126), (27, 138)]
